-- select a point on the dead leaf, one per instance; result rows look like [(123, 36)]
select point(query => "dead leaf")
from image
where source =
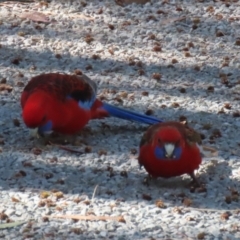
[(15, 200), (36, 17), (225, 216), (146, 197), (45, 194), (36, 151), (201, 235), (20, 174), (160, 204), (177, 210), (4, 87), (77, 231), (187, 202), (58, 195)]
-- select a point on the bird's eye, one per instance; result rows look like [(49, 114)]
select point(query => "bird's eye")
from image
[(177, 143)]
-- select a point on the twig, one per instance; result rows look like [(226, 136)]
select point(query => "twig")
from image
[(81, 16), (90, 217), (66, 148), (172, 20), (16, 1), (11, 224), (212, 210), (94, 192), (213, 151)]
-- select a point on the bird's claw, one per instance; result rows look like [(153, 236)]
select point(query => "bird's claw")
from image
[(146, 180), (195, 182)]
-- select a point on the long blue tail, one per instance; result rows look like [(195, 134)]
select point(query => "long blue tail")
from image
[(129, 115)]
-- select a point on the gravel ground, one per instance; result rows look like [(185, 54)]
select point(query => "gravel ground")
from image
[(173, 58)]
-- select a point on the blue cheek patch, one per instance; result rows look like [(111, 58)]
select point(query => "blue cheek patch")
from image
[(84, 104), (45, 128), (160, 153), (177, 153)]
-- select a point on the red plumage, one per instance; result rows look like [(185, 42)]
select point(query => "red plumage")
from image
[(58, 85), (65, 104), (46, 97), (170, 149)]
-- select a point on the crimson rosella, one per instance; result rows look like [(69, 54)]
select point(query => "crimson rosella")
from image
[(170, 149), (65, 103)]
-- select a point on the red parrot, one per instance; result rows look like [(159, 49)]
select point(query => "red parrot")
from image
[(65, 104), (170, 149)]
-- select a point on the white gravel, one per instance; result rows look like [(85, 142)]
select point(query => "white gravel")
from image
[(203, 39)]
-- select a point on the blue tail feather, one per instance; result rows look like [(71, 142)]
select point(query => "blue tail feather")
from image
[(129, 115)]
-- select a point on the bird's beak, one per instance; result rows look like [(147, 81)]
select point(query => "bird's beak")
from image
[(169, 148), (34, 132)]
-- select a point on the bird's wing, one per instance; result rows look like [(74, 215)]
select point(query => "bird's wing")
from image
[(191, 135), (188, 133), (63, 86), (148, 136)]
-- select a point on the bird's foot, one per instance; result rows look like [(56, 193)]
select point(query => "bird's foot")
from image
[(194, 182), (147, 180), (60, 139), (196, 186)]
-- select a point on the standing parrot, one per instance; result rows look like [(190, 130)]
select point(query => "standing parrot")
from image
[(65, 103), (170, 149)]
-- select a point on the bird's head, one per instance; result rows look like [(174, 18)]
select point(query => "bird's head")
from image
[(33, 116), (168, 144), (36, 118)]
